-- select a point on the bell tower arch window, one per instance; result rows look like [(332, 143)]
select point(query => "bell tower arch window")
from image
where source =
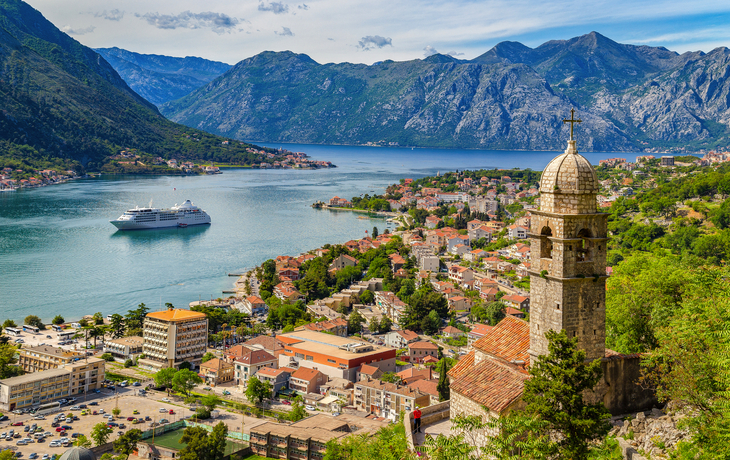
[(585, 249), (546, 246)]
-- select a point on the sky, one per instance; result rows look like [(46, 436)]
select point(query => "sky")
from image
[(376, 30)]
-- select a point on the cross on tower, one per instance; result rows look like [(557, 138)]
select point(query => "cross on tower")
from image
[(571, 121)]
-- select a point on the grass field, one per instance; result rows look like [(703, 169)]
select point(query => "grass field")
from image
[(171, 440)]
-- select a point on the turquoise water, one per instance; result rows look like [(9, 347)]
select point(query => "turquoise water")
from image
[(60, 255)]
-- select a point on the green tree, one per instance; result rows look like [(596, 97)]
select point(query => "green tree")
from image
[(135, 319), (691, 364), (517, 436), (107, 357), (98, 318), (210, 401), (100, 433), (33, 320), (82, 441), (385, 325), (117, 326), (185, 380), (375, 232), (391, 377), (443, 384), (355, 322), (217, 441), (431, 323), (116, 411), (297, 411), (163, 377), (257, 391), (58, 320), (9, 323), (7, 454), (196, 444), (127, 443), (207, 357), (367, 297), (7, 359), (554, 393)]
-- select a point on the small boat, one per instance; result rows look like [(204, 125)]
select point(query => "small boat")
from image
[(182, 225)]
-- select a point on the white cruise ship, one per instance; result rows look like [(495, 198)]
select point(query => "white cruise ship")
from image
[(178, 216)]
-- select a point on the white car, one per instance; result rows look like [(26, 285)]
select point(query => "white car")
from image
[(308, 407), (165, 400), (163, 410), (55, 443)]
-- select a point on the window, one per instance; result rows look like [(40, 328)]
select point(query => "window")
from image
[(546, 246), (299, 355), (331, 360), (310, 358)]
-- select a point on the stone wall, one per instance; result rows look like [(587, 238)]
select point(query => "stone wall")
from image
[(620, 389), (649, 434)]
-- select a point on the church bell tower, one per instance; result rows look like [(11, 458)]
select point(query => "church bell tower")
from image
[(568, 238)]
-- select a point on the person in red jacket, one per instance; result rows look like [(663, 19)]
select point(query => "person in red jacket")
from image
[(417, 419)]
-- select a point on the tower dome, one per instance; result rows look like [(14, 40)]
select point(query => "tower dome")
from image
[(78, 453), (569, 184)]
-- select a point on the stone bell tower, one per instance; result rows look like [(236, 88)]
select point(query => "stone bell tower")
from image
[(568, 248)]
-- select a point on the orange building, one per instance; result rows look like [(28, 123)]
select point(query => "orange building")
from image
[(334, 356)]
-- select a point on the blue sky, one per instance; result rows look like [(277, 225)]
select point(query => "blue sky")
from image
[(365, 32)]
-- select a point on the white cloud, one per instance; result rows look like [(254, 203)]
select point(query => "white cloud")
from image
[(275, 7), (286, 32), (374, 41), (113, 15), (429, 51), (71, 31), (454, 54), (303, 6), (217, 22)]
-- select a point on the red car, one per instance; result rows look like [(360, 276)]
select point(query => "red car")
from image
[(59, 429), (129, 419), (172, 412), (17, 424), (287, 402)]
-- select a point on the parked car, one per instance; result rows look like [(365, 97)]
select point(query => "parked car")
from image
[(172, 412), (286, 401), (308, 407), (165, 400), (17, 424), (93, 403), (226, 392), (162, 410)]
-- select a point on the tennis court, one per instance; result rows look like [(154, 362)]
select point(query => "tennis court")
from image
[(171, 440)]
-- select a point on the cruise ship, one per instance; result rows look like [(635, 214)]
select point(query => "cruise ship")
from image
[(177, 216)]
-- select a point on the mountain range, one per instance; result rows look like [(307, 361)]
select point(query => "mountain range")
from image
[(511, 97), (64, 105), (160, 79)]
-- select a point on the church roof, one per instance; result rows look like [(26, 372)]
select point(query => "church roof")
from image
[(492, 383), (569, 172), (508, 340)]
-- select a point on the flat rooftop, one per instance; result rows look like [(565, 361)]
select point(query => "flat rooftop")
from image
[(35, 376), (48, 351), (328, 344)]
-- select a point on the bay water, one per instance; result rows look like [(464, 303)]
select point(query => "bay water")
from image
[(60, 255)]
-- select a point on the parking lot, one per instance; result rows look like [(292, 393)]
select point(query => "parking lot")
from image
[(151, 406)]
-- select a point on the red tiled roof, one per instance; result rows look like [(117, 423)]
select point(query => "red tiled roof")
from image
[(305, 374), (368, 369), (408, 335), (465, 364), (423, 345), (509, 340), (429, 387), (481, 329), (256, 357), (215, 364), (452, 330), (430, 359), (492, 383), (513, 311)]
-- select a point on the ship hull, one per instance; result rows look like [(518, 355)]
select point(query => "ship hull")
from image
[(130, 225)]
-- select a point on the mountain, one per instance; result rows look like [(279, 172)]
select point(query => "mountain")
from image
[(160, 79), (511, 97), (64, 105)]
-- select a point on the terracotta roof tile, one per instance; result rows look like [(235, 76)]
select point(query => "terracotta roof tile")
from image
[(428, 387), (176, 314), (509, 340), (464, 365), (423, 345), (492, 383)]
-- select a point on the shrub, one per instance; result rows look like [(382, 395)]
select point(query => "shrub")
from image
[(128, 363), (107, 357)]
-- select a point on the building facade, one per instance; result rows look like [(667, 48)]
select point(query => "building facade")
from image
[(174, 336), (44, 357), (124, 348), (86, 375)]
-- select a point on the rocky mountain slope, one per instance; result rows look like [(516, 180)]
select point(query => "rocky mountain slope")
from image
[(160, 79), (512, 97), (61, 101)]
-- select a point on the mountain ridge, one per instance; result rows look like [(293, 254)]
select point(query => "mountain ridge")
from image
[(511, 97)]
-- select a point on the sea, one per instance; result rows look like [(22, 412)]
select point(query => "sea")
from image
[(60, 255)]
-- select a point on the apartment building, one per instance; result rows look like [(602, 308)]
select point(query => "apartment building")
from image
[(387, 399), (34, 389), (44, 357), (124, 348), (307, 439), (86, 375), (250, 363), (332, 355), (172, 337)]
